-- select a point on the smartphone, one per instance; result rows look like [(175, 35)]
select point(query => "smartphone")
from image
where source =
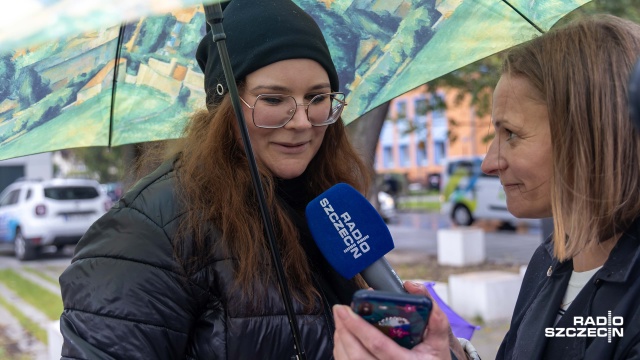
[(402, 317)]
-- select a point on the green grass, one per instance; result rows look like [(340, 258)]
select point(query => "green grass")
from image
[(40, 298), (41, 275), (420, 205), (424, 193), (33, 328)]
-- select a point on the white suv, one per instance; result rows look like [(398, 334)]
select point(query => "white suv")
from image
[(54, 212), (469, 194)]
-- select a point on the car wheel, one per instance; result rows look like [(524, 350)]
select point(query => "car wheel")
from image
[(507, 226), (23, 250), (461, 215)]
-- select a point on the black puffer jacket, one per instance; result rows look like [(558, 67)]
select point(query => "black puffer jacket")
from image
[(124, 296)]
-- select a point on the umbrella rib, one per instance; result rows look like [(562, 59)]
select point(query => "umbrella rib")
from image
[(524, 17), (115, 81)]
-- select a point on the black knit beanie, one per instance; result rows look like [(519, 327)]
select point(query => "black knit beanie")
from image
[(259, 33)]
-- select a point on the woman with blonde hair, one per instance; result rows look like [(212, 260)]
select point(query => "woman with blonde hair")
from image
[(564, 147), (181, 267)]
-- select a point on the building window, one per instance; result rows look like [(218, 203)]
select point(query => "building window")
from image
[(421, 132), (387, 157), (439, 151), (421, 153), (405, 156), (421, 106), (401, 109), (438, 106), (404, 130), (386, 135)]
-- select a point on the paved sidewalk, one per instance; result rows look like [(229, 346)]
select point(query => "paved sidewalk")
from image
[(487, 340), (506, 247), (411, 244)]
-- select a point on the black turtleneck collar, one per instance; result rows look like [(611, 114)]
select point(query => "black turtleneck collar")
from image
[(295, 192), (296, 195)]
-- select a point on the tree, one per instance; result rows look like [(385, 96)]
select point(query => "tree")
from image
[(32, 88), (106, 164), (628, 9), (364, 133), (7, 73), (154, 33), (190, 35), (183, 96)]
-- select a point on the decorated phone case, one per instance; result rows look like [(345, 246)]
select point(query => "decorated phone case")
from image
[(402, 317)]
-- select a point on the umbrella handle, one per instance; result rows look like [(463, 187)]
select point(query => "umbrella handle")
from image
[(214, 18)]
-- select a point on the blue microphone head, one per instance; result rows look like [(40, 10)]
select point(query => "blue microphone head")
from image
[(348, 230)]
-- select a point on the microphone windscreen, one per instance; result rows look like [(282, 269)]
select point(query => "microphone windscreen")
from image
[(348, 229)]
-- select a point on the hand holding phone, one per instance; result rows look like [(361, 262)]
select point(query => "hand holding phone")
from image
[(402, 317)]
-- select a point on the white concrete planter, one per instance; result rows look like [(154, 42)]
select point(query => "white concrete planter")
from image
[(490, 295), (461, 246)]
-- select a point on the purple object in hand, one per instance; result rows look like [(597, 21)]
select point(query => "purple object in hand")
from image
[(461, 328)]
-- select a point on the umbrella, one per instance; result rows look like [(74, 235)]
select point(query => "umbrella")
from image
[(36, 21), (61, 93)]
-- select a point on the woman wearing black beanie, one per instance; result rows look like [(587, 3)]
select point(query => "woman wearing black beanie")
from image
[(181, 267)]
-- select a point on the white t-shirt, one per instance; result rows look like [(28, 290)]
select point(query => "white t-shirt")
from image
[(577, 281)]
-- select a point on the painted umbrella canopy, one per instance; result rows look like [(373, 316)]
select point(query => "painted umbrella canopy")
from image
[(58, 85)]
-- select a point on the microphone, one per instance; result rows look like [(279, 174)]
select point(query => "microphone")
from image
[(353, 237)]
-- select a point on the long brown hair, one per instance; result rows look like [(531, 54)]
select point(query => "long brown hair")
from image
[(215, 182), (582, 71)]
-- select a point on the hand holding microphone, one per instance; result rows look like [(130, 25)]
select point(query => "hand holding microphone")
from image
[(353, 237)]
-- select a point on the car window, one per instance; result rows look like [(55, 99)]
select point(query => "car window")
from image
[(13, 198), (10, 198), (467, 168), (461, 167), (71, 192), (28, 194)]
